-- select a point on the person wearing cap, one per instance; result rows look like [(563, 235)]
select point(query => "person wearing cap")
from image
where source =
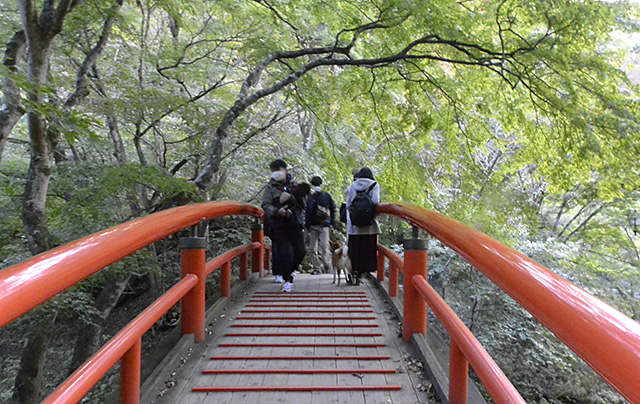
[(283, 219), (320, 216)]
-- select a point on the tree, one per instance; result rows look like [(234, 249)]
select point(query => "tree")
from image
[(489, 112), (12, 111), (543, 59)]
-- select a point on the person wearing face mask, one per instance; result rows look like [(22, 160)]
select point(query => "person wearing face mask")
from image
[(283, 203)]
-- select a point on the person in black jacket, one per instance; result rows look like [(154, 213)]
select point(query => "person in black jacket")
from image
[(283, 202), (362, 239), (320, 216)]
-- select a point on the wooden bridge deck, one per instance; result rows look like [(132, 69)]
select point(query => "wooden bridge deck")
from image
[(320, 344)]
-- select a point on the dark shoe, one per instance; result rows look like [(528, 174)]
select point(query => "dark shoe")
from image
[(315, 272), (357, 282)]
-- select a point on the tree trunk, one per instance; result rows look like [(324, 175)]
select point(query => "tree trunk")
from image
[(118, 144), (39, 31), (137, 141), (43, 144), (27, 384), (11, 110), (90, 333)]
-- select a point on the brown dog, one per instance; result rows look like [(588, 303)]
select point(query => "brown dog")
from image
[(341, 263)]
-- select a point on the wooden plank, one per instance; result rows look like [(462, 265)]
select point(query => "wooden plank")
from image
[(299, 330), (396, 348)]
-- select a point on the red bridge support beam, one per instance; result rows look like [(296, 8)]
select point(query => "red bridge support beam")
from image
[(244, 259), (415, 308), (393, 279), (130, 374), (257, 256), (267, 258), (380, 273), (225, 280), (193, 259), (458, 375)]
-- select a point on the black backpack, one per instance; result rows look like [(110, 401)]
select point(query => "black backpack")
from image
[(319, 213), (362, 210)]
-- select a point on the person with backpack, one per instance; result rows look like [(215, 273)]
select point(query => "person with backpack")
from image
[(283, 202), (320, 216), (362, 197)]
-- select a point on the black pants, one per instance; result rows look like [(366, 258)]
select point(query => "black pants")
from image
[(362, 252), (288, 250)]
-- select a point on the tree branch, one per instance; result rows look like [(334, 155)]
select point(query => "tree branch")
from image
[(82, 87)]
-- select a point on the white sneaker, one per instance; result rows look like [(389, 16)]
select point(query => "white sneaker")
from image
[(294, 273), (288, 287), (279, 279)]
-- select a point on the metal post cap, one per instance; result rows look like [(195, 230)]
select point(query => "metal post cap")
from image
[(415, 244), (192, 243)]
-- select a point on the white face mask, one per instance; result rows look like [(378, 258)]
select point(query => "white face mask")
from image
[(317, 189), (279, 176)]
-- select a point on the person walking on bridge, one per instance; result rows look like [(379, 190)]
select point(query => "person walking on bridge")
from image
[(320, 216), (283, 218), (361, 198)]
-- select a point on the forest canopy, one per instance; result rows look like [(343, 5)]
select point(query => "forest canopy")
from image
[(519, 118)]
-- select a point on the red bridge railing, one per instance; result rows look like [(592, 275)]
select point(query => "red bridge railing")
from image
[(32, 282), (580, 320), (606, 339)]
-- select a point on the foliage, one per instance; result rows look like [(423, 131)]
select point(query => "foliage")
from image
[(517, 118)]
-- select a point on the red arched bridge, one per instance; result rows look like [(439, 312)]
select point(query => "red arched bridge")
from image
[(319, 344)]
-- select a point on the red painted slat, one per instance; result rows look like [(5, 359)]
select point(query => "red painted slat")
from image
[(319, 296), (304, 325), (302, 318), (305, 305), (290, 300), (306, 311), (312, 293), (220, 389), (310, 345), (281, 295), (298, 358), (296, 371), (301, 334)]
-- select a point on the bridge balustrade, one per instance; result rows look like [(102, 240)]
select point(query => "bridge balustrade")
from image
[(30, 283), (581, 321)]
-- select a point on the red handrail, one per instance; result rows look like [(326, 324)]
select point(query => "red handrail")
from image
[(228, 256), (606, 339), (393, 257), (85, 377), (395, 264), (26, 285), (497, 384)]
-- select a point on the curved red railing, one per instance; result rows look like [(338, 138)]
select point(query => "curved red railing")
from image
[(580, 320), (606, 339), (26, 285), (395, 264), (29, 283), (465, 347), (84, 378)]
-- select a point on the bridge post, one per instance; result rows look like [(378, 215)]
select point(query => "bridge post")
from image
[(244, 258), (193, 260), (380, 267), (130, 374), (458, 375), (414, 307), (393, 279), (225, 280), (267, 259), (257, 256)]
